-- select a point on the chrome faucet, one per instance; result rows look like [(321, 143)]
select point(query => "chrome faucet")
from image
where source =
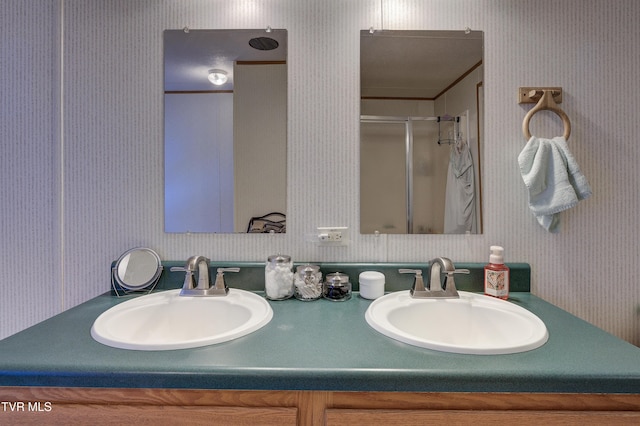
[(200, 264), (437, 289)]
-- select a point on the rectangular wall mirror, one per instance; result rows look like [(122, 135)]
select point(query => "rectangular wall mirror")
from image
[(421, 132), (225, 131)]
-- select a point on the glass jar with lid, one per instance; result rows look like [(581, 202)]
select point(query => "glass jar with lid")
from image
[(308, 283), (278, 277), (336, 287)]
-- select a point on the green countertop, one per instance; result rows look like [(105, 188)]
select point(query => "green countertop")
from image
[(321, 345)]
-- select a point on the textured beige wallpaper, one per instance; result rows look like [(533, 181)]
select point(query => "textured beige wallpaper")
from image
[(112, 146)]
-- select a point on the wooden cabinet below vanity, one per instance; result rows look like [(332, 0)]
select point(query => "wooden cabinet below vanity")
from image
[(106, 406)]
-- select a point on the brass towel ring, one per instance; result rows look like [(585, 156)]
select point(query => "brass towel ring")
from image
[(546, 102)]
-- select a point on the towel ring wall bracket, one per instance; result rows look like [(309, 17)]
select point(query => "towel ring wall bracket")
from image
[(531, 95), (546, 98)]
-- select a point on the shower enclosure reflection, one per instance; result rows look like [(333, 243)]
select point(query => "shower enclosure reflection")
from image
[(417, 153), (420, 133)]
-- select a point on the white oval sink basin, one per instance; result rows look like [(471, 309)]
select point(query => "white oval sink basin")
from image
[(166, 320), (473, 324)]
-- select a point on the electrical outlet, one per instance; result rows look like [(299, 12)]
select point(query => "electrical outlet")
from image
[(335, 235), (332, 235)]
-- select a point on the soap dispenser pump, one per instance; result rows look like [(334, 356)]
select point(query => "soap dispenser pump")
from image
[(496, 275)]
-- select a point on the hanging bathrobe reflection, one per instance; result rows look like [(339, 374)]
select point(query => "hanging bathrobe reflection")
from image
[(460, 206)]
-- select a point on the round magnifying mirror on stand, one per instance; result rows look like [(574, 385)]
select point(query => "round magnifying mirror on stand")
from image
[(137, 269)]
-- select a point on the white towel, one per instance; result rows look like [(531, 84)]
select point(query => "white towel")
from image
[(553, 178)]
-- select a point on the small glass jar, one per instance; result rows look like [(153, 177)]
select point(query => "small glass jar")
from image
[(278, 277), (308, 283), (337, 287)]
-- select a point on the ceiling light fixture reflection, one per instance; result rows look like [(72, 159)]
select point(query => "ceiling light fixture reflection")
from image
[(217, 77)]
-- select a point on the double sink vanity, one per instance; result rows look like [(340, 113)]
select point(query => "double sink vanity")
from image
[(321, 362)]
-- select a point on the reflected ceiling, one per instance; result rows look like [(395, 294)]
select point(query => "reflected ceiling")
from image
[(447, 56), (188, 59)]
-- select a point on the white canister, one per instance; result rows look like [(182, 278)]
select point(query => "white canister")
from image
[(371, 284)]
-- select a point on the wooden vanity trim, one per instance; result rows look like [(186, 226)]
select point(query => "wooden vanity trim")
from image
[(236, 407)]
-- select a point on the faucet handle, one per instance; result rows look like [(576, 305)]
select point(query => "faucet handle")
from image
[(220, 287), (418, 282), (189, 278)]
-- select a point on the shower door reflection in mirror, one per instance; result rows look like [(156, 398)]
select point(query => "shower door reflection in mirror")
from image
[(420, 139), (225, 134)]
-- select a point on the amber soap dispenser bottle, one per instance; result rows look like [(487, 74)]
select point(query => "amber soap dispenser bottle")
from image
[(496, 275)]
